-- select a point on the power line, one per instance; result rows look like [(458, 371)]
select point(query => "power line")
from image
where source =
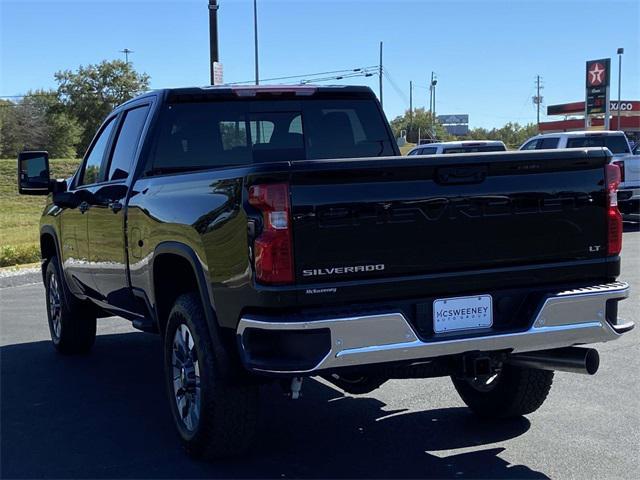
[(395, 86), (362, 73), (332, 72)]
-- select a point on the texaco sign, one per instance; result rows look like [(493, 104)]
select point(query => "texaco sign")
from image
[(624, 106), (598, 73), (597, 95)]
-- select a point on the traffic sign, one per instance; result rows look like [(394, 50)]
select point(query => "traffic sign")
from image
[(217, 73)]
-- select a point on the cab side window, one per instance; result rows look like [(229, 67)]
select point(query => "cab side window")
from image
[(530, 145), (127, 143), (547, 143), (91, 172)]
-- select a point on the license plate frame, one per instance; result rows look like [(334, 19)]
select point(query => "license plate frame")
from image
[(457, 314)]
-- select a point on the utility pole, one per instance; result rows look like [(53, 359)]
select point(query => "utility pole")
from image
[(213, 36), (620, 52), (255, 37), (410, 106), (380, 76), (411, 98), (126, 52), (537, 100)]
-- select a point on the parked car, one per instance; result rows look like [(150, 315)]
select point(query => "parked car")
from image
[(274, 233), (471, 146), (623, 156)]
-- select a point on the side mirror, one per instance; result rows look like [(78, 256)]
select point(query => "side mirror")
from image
[(33, 173)]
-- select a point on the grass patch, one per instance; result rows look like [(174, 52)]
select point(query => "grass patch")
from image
[(406, 147), (20, 214)]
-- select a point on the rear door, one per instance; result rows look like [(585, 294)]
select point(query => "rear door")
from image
[(106, 216), (366, 219)]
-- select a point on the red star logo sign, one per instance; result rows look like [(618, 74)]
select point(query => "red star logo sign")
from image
[(596, 74)]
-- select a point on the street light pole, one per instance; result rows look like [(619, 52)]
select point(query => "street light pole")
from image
[(620, 52), (380, 76), (431, 103), (255, 37), (213, 36), (434, 82)]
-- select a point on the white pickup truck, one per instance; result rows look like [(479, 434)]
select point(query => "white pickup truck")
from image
[(470, 146), (617, 142)]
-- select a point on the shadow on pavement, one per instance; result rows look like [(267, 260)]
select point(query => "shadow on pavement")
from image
[(106, 415)]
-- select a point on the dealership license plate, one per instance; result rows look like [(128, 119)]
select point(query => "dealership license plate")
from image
[(462, 313)]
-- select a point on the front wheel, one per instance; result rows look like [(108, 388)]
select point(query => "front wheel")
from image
[(214, 417), (512, 392), (71, 324)]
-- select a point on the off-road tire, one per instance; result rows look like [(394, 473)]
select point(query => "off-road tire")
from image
[(517, 391), (227, 409), (71, 323)]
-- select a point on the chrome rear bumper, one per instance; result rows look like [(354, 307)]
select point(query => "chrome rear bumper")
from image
[(564, 319)]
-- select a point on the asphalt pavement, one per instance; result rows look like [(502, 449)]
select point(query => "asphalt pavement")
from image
[(106, 414)]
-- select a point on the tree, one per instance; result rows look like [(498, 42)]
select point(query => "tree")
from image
[(7, 130), (91, 92), (36, 122), (418, 123), (512, 134)]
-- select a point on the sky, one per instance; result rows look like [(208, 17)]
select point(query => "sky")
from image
[(486, 54)]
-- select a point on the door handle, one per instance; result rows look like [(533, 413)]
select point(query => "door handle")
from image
[(83, 207), (115, 206)]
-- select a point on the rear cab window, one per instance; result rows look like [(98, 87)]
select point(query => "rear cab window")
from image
[(615, 143), (127, 143), (200, 135)]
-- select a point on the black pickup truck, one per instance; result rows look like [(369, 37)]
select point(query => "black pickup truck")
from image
[(274, 233)]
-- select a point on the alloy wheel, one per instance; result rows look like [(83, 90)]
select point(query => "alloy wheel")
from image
[(186, 377), (55, 306)]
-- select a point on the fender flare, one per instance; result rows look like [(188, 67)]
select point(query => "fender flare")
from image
[(50, 230), (204, 288)]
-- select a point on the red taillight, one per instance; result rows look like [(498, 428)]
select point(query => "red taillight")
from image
[(620, 163), (273, 248), (614, 218)]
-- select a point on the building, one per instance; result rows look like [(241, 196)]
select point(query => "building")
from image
[(573, 120)]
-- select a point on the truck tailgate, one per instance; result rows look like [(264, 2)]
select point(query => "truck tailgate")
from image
[(398, 216)]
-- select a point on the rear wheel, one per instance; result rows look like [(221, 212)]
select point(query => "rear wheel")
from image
[(214, 417), (71, 324), (512, 392)]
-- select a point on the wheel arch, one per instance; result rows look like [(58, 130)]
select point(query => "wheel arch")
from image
[(187, 273), (49, 247)]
